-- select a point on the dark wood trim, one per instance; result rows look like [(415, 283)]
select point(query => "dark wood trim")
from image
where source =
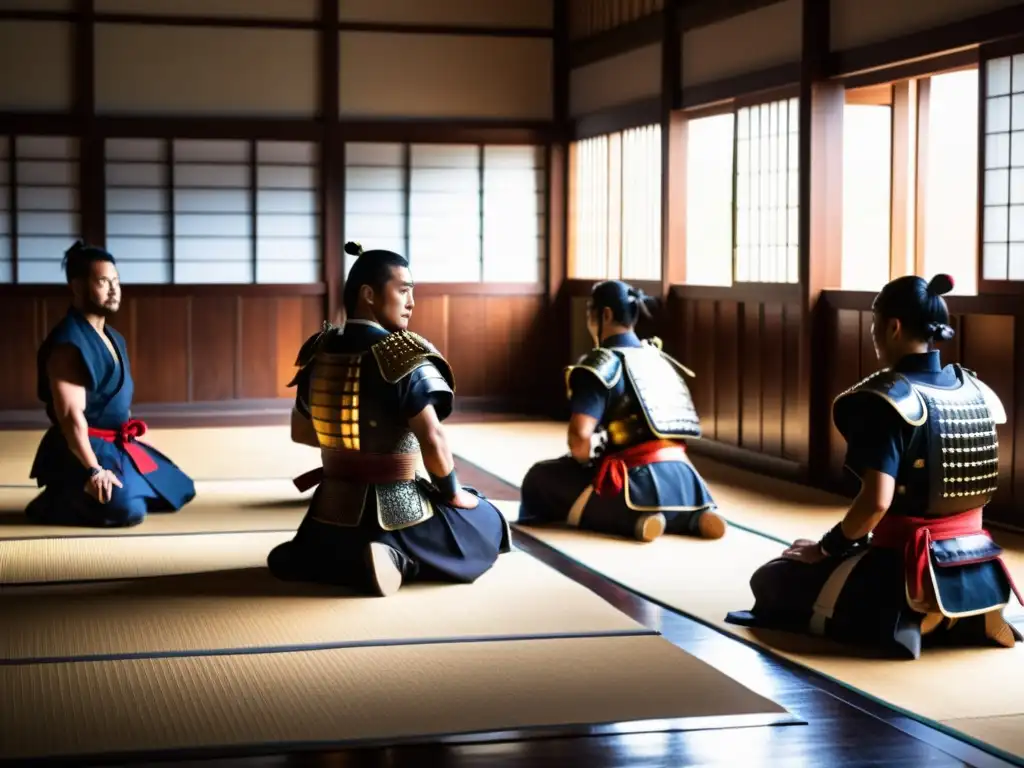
[(988, 304), (238, 22), (933, 65), (975, 30), (239, 128), (779, 293), (673, 155), (755, 84), (702, 13), (254, 218), (577, 286), (464, 30), (447, 131), (332, 164), (820, 244), (640, 33), (169, 290), (618, 118)]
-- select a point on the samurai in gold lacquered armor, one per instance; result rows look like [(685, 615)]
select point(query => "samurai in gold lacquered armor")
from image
[(388, 506), (641, 483)]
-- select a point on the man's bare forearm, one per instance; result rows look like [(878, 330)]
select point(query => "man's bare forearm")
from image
[(437, 456), (75, 429), (579, 447)]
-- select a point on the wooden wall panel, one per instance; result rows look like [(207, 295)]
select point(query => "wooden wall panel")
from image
[(157, 333), (738, 350), (726, 49), (385, 74), (35, 65), (157, 70), (300, 10), (987, 346), (861, 22), (751, 382), (214, 347), (21, 323), (37, 5), (591, 17), (537, 14), (257, 348), (616, 80), (772, 379)]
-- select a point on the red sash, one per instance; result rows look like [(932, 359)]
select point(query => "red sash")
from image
[(124, 437), (611, 471), (915, 534), (360, 467)]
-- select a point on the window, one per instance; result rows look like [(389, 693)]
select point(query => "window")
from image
[(375, 197), (444, 213), (138, 209), (867, 184), (47, 217), (459, 212), (213, 212), (615, 209), (287, 212), (709, 205), (515, 214), (767, 192), (950, 188), (1003, 217), (6, 250)]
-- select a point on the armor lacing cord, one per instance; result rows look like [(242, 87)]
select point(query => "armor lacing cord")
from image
[(914, 536), (124, 437), (612, 469)]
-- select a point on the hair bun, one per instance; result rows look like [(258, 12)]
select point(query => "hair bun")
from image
[(940, 284), (353, 249)]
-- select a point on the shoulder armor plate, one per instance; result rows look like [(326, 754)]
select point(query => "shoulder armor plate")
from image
[(602, 363), (662, 394), (995, 405), (309, 349), (895, 389), (399, 354)]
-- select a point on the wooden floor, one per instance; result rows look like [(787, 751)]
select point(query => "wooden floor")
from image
[(843, 728)]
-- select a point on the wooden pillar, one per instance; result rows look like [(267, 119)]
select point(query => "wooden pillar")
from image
[(332, 164), (820, 215), (673, 153), (92, 183)]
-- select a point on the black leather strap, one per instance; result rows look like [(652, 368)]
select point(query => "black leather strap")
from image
[(447, 486)]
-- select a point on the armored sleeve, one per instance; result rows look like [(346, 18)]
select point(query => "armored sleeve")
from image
[(421, 374), (307, 353), (425, 386), (590, 381), (874, 435)]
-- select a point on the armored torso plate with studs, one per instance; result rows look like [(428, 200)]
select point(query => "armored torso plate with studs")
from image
[(354, 407), (951, 454)]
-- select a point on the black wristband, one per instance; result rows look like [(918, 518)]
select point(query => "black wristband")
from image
[(835, 542), (448, 485), (93, 471)]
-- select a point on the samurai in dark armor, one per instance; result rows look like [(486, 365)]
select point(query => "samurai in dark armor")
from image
[(911, 559), (640, 483)]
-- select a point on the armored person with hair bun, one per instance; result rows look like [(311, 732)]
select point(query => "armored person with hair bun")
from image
[(910, 559), (371, 396), (642, 484)]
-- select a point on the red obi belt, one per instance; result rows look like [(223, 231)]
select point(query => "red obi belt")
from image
[(124, 437), (360, 467), (613, 468), (914, 536)]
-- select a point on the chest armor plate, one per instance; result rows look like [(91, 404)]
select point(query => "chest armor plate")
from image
[(354, 409), (962, 448), (662, 397)]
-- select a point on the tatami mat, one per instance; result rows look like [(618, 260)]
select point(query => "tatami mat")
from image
[(396, 692), (219, 506), (131, 557), (214, 453), (774, 508), (249, 608), (707, 579)]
